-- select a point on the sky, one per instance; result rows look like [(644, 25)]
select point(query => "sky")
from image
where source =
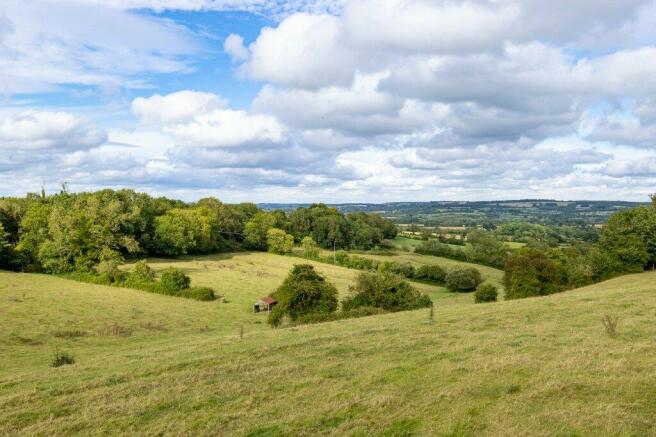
[(330, 100)]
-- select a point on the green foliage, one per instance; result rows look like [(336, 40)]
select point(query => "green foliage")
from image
[(630, 238), (303, 292), (204, 294), (486, 293), (5, 249), (257, 228), (463, 279), (384, 290), (436, 248), (142, 272), (431, 273), (280, 242), (485, 249), (310, 249), (174, 280), (330, 228), (404, 269), (530, 272)]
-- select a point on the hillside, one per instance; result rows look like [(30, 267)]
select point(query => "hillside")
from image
[(539, 366)]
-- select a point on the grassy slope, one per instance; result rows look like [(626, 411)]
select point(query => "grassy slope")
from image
[(533, 367)]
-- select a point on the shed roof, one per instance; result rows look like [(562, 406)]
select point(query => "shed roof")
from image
[(269, 300)]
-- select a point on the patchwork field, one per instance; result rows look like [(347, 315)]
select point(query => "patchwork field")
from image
[(152, 364)]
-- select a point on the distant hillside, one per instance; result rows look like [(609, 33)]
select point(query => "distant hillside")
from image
[(544, 211)]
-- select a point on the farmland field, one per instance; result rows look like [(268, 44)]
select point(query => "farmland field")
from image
[(540, 366)]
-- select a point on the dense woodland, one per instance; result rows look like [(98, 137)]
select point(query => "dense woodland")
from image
[(68, 232)]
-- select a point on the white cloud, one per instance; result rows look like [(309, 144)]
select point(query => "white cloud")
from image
[(177, 107), (234, 46), (228, 128), (32, 130), (303, 51), (73, 43)]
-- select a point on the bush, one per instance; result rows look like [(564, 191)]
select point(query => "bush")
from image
[(486, 293), (303, 292), (109, 270), (204, 294), (310, 248), (430, 273), (405, 269), (463, 279), (142, 272), (61, 358), (384, 290), (530, 272), (174, 280)]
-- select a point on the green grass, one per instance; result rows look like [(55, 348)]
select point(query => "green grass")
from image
[(406, 243), (541, 366)]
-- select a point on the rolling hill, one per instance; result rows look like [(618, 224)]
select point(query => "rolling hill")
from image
[(155, 364)]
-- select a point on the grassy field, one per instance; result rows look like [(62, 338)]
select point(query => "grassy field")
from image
[(542, 366)]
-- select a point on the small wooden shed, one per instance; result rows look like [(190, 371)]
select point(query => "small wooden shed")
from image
[(265, 304)]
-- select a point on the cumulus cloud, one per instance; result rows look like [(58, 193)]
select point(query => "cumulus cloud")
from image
[(359, 100), (178, 107), (234, 46), (33, 130)]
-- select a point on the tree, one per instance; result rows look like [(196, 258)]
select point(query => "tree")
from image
[(256, 230), (462, 279), (630, 237), (431, 273), (484, 248), (303, 292), (280, 242), (384, 290), (530, 272), (172, 235), (486, 293), (310, 249), (5, 249)]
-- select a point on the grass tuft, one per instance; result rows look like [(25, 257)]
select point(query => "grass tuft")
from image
[(61, 359)]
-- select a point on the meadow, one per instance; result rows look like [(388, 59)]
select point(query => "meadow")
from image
[(155, 364)]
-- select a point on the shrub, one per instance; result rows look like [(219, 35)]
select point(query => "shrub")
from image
[(530, 272), (174, 280), (204, 294), (486, 293), (61, 359), (403, 269), (310, 248), (303, 292), (436, 248), (142, 272), (384, 290), (462, 279), (431, 273), (109, 270)]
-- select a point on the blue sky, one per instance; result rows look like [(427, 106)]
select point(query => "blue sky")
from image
[(330, 100)]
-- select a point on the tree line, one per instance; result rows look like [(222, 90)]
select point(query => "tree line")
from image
[(77, 232)]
